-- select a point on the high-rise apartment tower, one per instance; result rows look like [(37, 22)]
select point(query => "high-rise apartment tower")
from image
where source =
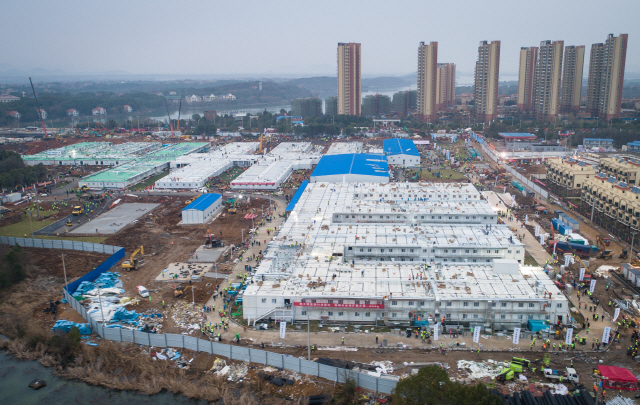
[(606, 77), (528, 59), (427, 81), (445, 85), (572, 79), (349, 79), (487, 73), (547, 80)]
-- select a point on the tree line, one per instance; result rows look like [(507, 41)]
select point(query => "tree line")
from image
[(14, 173)]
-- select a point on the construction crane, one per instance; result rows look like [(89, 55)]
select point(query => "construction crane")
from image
[(132, 263), (38, 110), (262, 139), (179, 111), (169, 115)]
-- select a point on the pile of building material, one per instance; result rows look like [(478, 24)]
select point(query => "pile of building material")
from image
[(186, 317), (478, 370)]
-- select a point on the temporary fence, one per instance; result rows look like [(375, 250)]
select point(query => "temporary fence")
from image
[(116, 253), (295, 364)]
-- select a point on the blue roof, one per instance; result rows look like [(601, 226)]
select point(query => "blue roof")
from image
[(598, 139), (634, 143), (297, 195), (517, 135), (397, 146), (203, 202), (368, 164)]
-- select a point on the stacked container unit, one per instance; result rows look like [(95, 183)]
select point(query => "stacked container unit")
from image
[(517, 186), (575, 225)]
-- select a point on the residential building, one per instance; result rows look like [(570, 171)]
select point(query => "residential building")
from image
[(42, 114), (528, 58), (374, 105), (209, 98), (622, 169), (210, 115), (606, 77), (72, 112), (98, 111), (572, 79), (14, 114), (306, 107), (604, 143), (127, 108), (7, 98), (349, 79), (193, 99), (331, 106), (446, 85), (427, 81), (613, 205), (547, 80), (404, 102), (487, 72), (566, 177), (229, 96)]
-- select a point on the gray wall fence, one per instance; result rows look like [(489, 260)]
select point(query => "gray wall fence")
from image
[(295, 364)]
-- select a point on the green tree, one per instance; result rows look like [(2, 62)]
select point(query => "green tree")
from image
[(196, 117), (432, 386)]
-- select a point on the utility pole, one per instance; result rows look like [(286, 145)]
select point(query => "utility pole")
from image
[(308, 337), (30, 224), (64, 268), (633, 235), (193, 297), (593, 207)]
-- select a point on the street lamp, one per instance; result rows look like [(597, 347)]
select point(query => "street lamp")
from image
[(633, 235)]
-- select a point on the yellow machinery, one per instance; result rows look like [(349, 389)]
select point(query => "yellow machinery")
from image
[(189, 201), (234, 208), (132, 263), (180, 290), (262, 140), (77, 210), (606, 254)]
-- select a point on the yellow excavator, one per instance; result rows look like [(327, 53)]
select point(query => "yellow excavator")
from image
[(180, 290), (133, 262)]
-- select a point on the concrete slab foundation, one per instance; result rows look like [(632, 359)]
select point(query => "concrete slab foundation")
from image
[(184, 271), (112, 221)]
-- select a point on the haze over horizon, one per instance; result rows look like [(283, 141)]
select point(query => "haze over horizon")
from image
[(291, 38)]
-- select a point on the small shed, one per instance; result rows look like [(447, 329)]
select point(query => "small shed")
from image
[(202, 209)]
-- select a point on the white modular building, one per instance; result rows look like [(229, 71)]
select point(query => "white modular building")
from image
[(401, 152), (390, 253), (265, 175), (341, 148), (202, 210)]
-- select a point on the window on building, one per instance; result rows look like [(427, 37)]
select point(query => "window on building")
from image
[(357, 314), (520, 316), (313, 300), (531, 305), (394, 302), (475, 316), (503, 317), (340, 302), (273, 300), (465, 304), (410, 303), (304, 312), (503, 304), (362, 250), (476, 304), (520, 304), (493, 304), (367, 314), (330, 313), (393, 315), (357, 302), (497, 251), (464, 316), (466, 251), (560, 305), (367, 302), (340, 313), (264, 300)]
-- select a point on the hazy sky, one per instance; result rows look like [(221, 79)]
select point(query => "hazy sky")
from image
[(284, 37)]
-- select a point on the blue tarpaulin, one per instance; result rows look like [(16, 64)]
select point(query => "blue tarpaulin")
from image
[(65, 326), (105, 280), (122, 314)]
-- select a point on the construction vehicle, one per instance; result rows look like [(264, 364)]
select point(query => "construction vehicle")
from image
[(180, 290), (133, 262), (261, 149), (210, 241), (38, 110), (83, 188), (505, 375), (69, 223), (518, 363), (624, 254), (77, 210), (233, 208), (189, 201), (606, 254), (603, 240), (570, 374)]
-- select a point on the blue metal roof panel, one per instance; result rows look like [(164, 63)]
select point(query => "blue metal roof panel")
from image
[(357, 163), (634, 143), (598, 139), (297, 195), (517, 135), (398, 146), (203, 202)]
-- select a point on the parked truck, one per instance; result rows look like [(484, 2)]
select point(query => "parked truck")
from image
[(569, 375), (575, 248)]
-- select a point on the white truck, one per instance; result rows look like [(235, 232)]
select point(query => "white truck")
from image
[(558, 375)]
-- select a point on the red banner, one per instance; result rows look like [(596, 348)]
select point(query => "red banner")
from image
[(325, 304)]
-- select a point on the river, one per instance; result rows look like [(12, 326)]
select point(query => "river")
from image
[(15, 376)]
